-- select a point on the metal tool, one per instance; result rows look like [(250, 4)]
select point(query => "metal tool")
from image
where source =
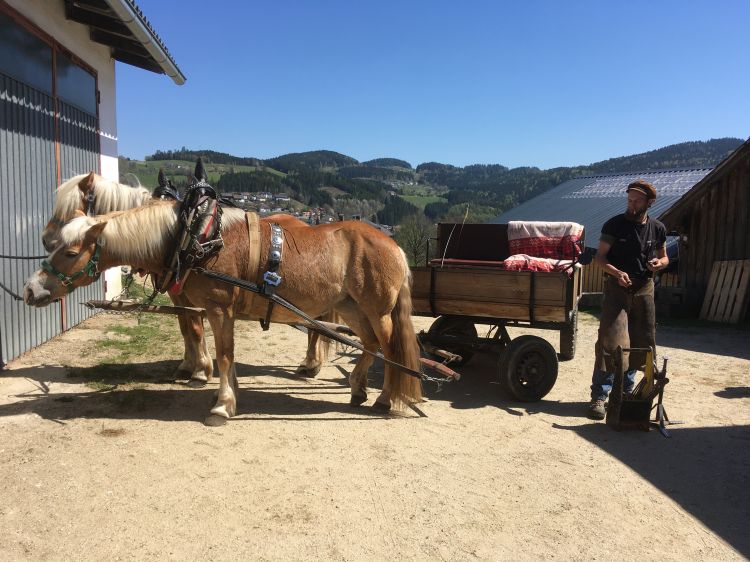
[(633, 410)]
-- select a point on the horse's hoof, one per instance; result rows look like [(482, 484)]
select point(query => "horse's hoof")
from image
[(308, 372), (182, 374), (357, 400), (215, 421), (380, 407), (196, 383)]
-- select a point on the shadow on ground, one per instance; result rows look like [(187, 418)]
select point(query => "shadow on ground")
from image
[(116, 391), (706, 470), (699, 335)]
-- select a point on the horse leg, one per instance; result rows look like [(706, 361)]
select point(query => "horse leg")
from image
[(317, 348), (358, 377), (313, 362), (197, 365), (185, 369), (395, 332), (222, 323)]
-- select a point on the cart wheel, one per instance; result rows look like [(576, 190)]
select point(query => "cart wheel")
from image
[(568, 335), (455, 326), (528, 368)]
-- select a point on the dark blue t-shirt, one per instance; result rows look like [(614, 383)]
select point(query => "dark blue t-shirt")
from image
[(633, 244)]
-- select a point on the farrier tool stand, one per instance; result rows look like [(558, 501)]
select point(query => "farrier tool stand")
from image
[(633, 411)]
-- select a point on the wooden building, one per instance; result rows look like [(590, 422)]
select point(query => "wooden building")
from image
[(713, 224)]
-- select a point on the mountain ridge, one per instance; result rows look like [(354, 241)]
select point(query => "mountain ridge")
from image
[(439, 191)]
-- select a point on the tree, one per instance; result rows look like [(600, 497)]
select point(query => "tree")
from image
[(413, 236)]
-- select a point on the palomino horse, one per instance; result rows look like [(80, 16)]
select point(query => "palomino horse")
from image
[(91, 194), (349, 267)]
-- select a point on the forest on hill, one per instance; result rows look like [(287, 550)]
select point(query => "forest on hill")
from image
[(392, 190)]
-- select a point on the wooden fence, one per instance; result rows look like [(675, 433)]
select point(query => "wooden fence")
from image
[(593, 279)]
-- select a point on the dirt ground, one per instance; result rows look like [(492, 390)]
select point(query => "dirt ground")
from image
[(106, 462)]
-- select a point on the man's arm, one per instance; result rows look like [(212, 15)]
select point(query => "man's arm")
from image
[(623, 279), (660, 261)]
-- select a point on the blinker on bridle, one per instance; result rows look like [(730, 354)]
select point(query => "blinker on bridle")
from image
[(90, 199), (91, 269)]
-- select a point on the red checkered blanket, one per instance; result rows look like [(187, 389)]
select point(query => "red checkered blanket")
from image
[(522, 262), (555, 240)]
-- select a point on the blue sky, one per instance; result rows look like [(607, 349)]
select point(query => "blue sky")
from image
[(536, 83)]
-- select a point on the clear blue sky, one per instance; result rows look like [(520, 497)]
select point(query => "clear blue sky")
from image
[(537, 83)]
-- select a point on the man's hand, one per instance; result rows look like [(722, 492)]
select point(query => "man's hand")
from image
[(623, 279), (654, 265)]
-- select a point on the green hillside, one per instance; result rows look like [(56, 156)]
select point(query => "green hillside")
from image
[(341, 184)]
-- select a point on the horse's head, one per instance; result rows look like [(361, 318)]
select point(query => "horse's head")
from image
[(90, 194), (74, 198), (165, 189), (71, 264)]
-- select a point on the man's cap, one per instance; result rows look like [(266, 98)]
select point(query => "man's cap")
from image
[(642, 186)]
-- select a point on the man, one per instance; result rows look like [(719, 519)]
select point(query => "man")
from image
[(632, 247)]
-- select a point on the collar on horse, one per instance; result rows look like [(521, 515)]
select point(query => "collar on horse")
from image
[(91, 269), (271, 278), (198, 237)]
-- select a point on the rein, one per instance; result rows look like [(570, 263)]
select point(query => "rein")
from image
[(320, 327), (91, 269)]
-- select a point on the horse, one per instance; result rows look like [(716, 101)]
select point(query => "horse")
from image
[(91, 194), (350, 267)]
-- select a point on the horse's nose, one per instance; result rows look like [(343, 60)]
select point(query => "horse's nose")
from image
[(39, 297), (28, 295)]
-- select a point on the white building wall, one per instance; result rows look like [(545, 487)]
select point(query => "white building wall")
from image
[(49, 16)]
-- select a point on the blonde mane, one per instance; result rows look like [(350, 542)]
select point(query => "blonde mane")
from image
[(109, 196), (139, 234)]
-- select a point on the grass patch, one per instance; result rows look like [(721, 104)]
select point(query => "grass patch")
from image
[(152, 333), (141, 289), (421, 201)]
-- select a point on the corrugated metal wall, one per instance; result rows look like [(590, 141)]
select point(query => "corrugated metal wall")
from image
[(27, 183), (27, 154), (79, 154)]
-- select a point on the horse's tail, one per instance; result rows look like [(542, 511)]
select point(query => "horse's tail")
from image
[(406, 389)]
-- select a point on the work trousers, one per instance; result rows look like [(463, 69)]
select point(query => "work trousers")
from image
[(628, 320)]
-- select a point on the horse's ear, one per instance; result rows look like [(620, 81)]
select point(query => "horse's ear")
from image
[(191, 180), (162, 178), (200, 171), (96, 230), (87, 183)]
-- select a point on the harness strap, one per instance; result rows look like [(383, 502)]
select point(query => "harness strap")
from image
[(253, 251), (271, 278), (321, 328), (91, 269)]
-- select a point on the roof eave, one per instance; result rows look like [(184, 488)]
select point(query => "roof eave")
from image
[(670, 214), (146, 37)]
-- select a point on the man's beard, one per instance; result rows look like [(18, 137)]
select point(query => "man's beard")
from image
[(635, 217)]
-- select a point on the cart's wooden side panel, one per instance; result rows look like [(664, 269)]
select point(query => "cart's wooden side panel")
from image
[(492, 293)]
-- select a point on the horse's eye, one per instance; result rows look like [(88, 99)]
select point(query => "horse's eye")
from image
[(71, 253)]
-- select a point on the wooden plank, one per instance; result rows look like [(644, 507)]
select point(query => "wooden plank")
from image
[(732, 286), (491, 293), (732, 216), (738, 313), (508, 311), (487, 285), (727, 294), (710, 290), (728, 291), (720, 280)]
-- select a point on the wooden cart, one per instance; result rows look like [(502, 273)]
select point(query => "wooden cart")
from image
[(466, 286)]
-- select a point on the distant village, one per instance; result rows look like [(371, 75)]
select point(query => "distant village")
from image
[(266, 203)]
